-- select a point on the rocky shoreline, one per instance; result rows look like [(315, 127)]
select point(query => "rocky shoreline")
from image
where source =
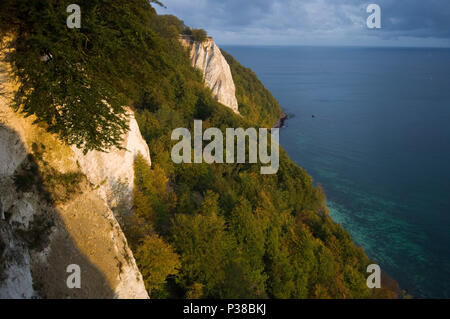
[(280, 123)]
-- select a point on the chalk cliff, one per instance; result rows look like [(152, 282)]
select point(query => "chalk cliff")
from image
[(56, 209), (207, 57), (109, 171)]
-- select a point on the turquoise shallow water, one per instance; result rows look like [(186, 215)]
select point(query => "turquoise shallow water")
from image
[(379, 144)]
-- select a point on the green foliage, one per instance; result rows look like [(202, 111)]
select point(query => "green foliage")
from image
[(195, 291), (242, 234), (255, 102), (239, 234), (77, 81), (205, 248), (187, 31), (199, 35), (168, 26), (152, 198), (156, 261)]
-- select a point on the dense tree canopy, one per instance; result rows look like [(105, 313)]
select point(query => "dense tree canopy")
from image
[(256, 103), (77, 81), (156, 261), (240, 234)]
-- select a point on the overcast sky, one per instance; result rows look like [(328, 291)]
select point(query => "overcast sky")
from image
[(316, 22)]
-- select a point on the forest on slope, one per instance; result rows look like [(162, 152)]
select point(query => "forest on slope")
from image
[(197, 230)]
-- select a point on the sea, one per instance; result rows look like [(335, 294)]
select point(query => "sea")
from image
[(372, 126)]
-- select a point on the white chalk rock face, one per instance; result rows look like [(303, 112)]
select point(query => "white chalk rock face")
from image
[(15, 272), (206, 56), (11, 151), (106, 171), (40, 238)]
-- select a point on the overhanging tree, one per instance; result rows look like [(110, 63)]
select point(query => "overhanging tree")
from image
[(77, 81)]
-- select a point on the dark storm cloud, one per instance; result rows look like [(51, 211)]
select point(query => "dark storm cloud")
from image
[(426, 18), (231, 13), (268, 21)]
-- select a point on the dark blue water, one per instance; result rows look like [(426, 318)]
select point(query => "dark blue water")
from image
[(379, 145)]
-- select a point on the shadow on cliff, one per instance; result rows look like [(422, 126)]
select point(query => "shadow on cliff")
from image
[(48, 239)]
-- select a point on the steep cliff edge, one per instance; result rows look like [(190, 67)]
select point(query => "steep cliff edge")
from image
[(207, 57), (113, 170), (56, 210)]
